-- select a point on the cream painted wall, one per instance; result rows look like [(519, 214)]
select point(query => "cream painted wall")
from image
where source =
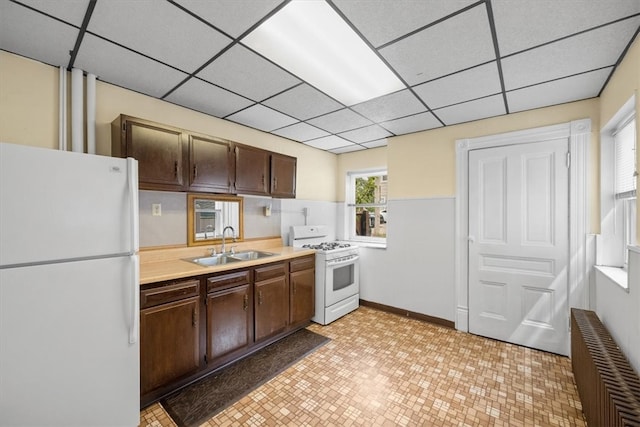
[(29, 115), (375, 158), (624, 83)]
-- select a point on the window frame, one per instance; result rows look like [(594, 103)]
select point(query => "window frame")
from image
[(351, 206), (616, 227)]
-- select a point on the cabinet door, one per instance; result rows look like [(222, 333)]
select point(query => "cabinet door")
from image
[(283, 176), (161, 155), (271, 306), (209, 164), (228, 321), (302, 304), (169, 344), (252, 170)]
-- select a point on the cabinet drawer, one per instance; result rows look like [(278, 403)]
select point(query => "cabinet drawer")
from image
[(228, 280), (302, 263), (170, 292), (270, 271)]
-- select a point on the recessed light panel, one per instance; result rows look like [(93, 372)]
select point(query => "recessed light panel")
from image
[(310, 40)]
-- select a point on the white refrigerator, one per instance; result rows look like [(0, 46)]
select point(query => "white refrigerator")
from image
[(69, 289)]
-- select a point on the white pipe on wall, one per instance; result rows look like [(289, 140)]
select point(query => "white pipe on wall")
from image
[(77, 140), (91, 113), (62, 109)]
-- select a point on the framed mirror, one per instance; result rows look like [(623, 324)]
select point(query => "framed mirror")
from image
[(209, 214)]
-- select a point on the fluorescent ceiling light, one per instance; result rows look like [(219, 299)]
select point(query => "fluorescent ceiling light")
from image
[(310, 40)]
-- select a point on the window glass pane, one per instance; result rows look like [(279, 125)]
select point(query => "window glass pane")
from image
[(625, 145), (370, 210)]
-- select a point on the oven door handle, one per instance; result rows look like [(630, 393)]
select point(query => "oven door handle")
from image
[(335, 263)]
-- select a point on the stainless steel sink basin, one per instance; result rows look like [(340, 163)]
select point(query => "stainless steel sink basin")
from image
[(250, 255), (226, 258), (213, 260)]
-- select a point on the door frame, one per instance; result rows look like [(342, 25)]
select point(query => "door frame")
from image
[(579, 134)]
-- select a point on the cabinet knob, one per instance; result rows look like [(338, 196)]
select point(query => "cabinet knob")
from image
[(195, 171), (245, 304), (259, 297)]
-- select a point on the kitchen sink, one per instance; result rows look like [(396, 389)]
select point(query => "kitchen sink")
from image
[(213, 260), (227, 258), (250, 255)]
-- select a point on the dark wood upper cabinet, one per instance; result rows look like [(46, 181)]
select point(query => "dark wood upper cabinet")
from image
[(210, 166), (160, 150), (252, 170), (283, 176)]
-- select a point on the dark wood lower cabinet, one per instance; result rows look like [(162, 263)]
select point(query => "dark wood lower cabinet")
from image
[(229, 321), (169, 343), (192, 327)]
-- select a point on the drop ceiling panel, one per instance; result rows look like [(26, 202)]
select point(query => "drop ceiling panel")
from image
[(472, 110), (376, 144), (159, 30), (34, 35), (207, 98), (329, 142), (411, 124), (365, 134), (231, 16), (247, 74), (347, 149), (71, 11), (457, 43), (340, 121), (261, 117), (301, 132), (584, 52), (392, 106), (519, 27), (569, 89), (382, 21), (105, 59), (303, 102), (474, 83)]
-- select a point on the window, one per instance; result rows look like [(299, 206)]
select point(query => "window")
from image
[(618, 171), (366, 208)]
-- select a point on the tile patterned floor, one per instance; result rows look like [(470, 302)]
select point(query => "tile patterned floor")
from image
[(381, 369)]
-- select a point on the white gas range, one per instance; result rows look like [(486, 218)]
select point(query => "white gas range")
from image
[(337, 272)]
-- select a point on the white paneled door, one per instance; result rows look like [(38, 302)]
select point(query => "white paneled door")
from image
[(518, 244)]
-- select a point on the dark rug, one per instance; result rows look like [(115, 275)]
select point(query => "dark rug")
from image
[(201, 400)]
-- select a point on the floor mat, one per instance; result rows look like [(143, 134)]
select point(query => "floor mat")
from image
[(201, 400)]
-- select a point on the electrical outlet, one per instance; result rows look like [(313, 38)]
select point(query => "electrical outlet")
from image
[(156, 209)]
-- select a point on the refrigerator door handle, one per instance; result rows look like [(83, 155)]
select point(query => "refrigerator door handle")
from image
[(132, 183), (134, 319)]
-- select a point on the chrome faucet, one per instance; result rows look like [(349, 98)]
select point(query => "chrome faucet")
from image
[(223, 237)]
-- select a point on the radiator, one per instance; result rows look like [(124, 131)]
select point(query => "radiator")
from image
[(608, 386)]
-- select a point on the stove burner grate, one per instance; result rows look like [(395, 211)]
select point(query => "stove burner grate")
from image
[(327, 246)]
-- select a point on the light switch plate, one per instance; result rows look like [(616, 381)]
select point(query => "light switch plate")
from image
[(156, 209)]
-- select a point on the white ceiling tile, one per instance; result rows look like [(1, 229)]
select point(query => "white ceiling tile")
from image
[(248, 74), (347, 149), (207, 98), (422, 121), (34, 35), (231, 16), (569, 89), (474, 83), (105, 60), (376, 144), (457, 43), (301, 132), (340, 121), (159, 30), (365, 134), (303, 102), (472, 110), (329, 142), (261, 117), (392, 106), (585, 52), (71, 11), (519, 27), (382, 21)]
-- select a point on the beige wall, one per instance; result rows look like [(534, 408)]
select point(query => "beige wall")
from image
[(29, 115)]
